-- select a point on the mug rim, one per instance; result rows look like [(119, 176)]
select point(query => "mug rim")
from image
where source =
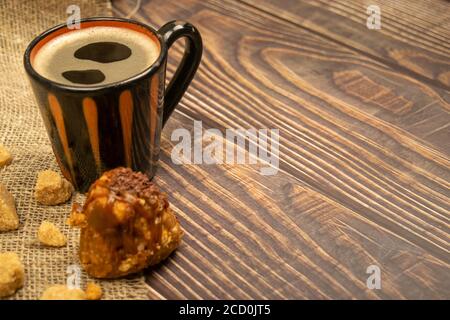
[(149, 71)]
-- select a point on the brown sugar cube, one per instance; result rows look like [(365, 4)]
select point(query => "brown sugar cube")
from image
[(5, 157), (93, 291), (12, 274), (8, 215), (62, 292), (50, 235), (126, 225), (52, 189)]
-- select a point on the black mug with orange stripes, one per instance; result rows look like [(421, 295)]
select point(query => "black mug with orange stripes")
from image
[(101, 92)]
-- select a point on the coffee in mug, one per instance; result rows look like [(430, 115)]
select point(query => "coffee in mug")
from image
[(96, 55)]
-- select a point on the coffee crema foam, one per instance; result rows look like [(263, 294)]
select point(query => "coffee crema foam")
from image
[(97, 55)]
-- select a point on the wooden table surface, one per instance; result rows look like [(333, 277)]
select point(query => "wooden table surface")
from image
[(364, 179)]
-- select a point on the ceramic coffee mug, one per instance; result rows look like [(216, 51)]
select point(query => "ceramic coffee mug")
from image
[(96, 128)]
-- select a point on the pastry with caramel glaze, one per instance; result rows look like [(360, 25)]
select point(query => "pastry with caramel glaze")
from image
[(126, 225)]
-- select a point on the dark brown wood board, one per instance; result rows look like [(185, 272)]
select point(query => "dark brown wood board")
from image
[(364, 151)]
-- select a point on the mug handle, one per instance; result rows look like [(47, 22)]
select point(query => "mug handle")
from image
[(171, 32)]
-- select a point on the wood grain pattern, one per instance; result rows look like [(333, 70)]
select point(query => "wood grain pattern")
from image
[(364, 158), (414, 35)]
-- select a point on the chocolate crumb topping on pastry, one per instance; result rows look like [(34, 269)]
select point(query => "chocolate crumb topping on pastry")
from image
[(124, 180)]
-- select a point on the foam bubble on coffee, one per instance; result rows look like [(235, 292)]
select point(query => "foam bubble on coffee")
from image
[(97, 55)]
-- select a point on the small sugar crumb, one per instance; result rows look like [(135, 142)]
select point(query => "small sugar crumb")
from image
[(8, 215), (51, 188), (93, 291), (12, 273), (61, 292), (50, 235), (5, 157)]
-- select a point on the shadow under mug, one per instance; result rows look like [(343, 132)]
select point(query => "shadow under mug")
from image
[(97, 128)]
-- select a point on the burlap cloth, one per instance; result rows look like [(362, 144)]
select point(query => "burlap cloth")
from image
[(22, 132)]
